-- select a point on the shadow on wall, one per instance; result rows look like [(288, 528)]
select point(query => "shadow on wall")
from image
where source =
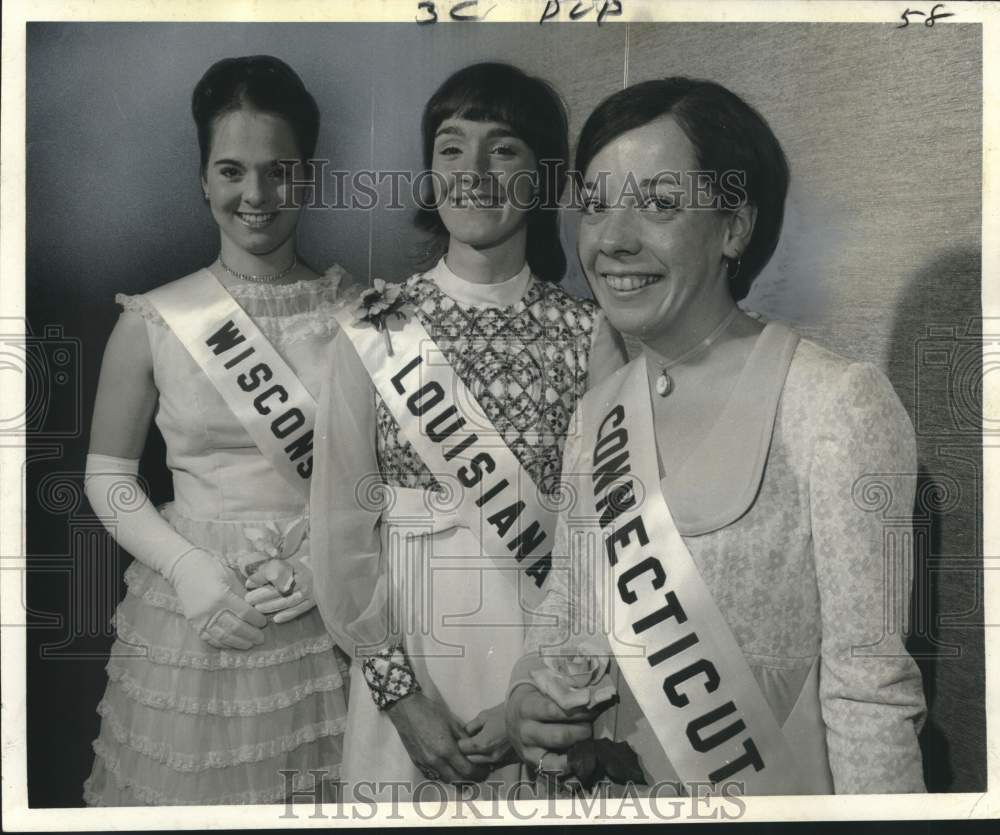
[(935, 364)]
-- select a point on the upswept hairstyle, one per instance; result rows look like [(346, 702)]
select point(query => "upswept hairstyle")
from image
[(727, 135), (497, 92), (257, 82)]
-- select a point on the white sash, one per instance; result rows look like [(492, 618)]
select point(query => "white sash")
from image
[(257, 384), (496, 499), (672, 643)]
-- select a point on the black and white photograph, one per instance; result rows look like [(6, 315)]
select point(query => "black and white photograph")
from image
[(511, 410)]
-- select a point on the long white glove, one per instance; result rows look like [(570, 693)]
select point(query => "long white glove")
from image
[(221, 618)]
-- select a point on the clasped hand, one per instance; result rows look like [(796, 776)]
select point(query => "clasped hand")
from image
[(536, 725), (436, 741), (488, 743), (220, 616), (223, 619), (282, 588)]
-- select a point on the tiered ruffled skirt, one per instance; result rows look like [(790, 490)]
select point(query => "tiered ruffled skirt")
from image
[(185, 723)]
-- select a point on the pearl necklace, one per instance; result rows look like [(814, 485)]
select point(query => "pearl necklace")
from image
[(664, 382), (260, 279)]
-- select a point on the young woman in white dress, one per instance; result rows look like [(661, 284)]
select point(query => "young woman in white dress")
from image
[(437, 664), (213, 689)]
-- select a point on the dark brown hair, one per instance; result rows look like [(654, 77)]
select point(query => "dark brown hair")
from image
[(258, 82), (496, 92), (727, 135)]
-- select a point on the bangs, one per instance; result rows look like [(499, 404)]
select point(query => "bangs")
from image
[(534, 113), (477, 112), (492, 96)]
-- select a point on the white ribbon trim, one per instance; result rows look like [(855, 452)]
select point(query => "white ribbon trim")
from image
[(492, 494), (672, 643), (257, 384)]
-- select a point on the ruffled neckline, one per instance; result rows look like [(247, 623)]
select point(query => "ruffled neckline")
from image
[(500, 294), (285, 313), (329, 280)]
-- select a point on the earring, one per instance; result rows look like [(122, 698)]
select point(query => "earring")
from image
[(731, 273)]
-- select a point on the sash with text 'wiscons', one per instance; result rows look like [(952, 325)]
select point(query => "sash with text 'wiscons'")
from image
[(671, 642), (453, 436), (257, 384)]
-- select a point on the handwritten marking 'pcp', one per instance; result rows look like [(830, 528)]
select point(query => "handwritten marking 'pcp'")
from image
[(580, 9)]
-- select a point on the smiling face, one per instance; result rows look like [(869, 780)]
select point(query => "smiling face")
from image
[(654, 262), (489, 174), (246, 183)]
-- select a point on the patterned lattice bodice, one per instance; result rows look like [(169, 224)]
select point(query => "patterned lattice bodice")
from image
[(526, 364)]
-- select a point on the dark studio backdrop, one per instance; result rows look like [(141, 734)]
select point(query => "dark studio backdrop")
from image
[(879, 260)]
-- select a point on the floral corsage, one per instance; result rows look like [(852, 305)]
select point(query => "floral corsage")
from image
[(573, 681), (269, 543), (378, 304), (584, 681)]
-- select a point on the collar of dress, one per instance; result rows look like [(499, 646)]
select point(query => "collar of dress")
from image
[(501, 294), (720, 480)]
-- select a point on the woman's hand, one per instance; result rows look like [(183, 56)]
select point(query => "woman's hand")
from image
[(282, 588), (537, 725), (430, 734), (220, 617), (488, 743)]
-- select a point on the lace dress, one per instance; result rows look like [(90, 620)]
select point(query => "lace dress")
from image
[(182, 721), (796, 510), (527, 351)]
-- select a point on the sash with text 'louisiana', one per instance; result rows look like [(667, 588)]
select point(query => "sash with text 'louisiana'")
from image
[(260, 388), (497, 499), (671, 642)]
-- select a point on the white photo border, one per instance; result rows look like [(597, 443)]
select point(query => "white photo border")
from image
[(17, 815)]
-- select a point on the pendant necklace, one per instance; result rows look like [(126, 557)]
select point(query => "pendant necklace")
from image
[(664, 382), (260, 279)]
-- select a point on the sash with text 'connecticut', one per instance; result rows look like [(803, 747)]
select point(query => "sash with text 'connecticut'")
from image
[(669, 638)]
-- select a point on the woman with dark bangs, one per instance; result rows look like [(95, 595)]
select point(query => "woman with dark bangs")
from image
[(521, 352)]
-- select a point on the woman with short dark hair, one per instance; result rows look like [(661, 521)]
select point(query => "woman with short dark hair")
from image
[(732, 143), (222, 675), (484, 345), (753, 606), (531, 108)]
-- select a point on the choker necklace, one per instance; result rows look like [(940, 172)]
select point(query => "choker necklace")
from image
[(260, 279), (664, 382)]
